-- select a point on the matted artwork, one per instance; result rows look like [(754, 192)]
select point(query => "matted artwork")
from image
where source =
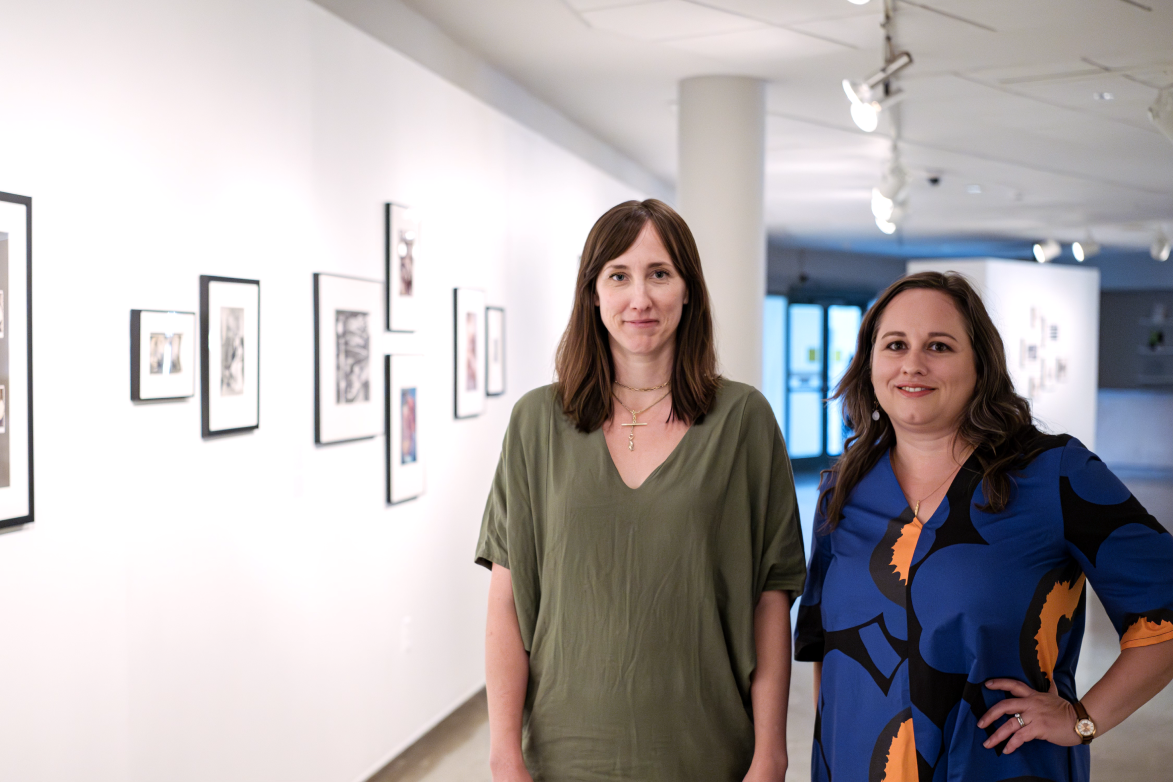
[(16, 361), (230, 354), (347, 387), (469, 329), (494, 351), (405, 462), (162, 355), (402, 246)]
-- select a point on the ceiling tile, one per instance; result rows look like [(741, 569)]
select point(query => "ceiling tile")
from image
[(760, 47), (667, 20), (594, 5)]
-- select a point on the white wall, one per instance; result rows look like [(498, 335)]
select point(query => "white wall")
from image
[(1023, 299), (234, 609)]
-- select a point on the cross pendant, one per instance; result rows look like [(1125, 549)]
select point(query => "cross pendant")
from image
[(631, 432)]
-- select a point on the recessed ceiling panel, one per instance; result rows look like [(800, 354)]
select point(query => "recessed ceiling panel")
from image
[(762, 46), (594, 5), (666, 20)]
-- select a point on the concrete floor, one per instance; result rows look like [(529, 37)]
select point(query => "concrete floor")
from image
[(1140, 750)]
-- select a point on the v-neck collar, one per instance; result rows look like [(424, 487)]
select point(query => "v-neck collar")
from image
[(971, 465), (659, 467)]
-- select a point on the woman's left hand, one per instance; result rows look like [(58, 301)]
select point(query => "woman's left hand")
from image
[(1045, 715)]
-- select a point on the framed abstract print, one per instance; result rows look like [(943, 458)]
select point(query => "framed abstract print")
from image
[(402, 239), (16, 361), (230, 354), (494, 351), (348, 392), (405, 463), (162, 355), (469, 351)]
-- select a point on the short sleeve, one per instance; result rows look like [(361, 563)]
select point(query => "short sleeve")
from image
[(781, 562), (1125, 552), (809, 642), (493, 543)]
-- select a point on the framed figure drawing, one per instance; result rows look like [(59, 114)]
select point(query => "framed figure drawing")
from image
[(469, 352), (405, 463), (162, 355), (402, 239), (494, 351), (348, 390), (16, 361), (230, 354)]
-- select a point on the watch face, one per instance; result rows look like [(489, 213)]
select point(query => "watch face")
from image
[(1085, 728)]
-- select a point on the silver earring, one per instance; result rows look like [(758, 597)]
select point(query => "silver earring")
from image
[(876, 413)]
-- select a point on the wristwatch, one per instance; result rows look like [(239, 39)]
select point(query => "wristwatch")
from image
[(1084, 727)]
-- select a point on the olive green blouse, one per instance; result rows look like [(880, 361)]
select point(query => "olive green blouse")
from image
[(636, 605)]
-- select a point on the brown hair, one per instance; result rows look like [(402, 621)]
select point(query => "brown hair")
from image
[(996, 423), (584, 364)]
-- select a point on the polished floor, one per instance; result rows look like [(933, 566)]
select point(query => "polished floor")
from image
[(1140, 750)]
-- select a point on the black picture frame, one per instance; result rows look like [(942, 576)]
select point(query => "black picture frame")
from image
[(400, 308), (22, 518), (468, 322), (205, 357), (364, 297), (490, 388), (136, 378)]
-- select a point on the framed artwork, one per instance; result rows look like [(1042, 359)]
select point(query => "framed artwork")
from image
[(162, 355), (469, 352), (494, 351), (402, 238), (405, 462), (230, 354), (16, 360), (347, 390)]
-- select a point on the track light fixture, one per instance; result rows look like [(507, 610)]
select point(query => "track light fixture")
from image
[(874, 94), (1085, 249), (891, 195), (1161, 247), (1161, 112), (1047, 251), (859, 2)]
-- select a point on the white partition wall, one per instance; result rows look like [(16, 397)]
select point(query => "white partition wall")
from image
[(1049, 318)]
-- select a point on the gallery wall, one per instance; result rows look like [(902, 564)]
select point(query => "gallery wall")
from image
[(247, 607)]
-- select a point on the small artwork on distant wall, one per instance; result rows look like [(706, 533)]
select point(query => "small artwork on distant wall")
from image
[(403, 376), (1042, 354), (402, 253), (230, 354), (494, 351), (347, 402), (469, 351), (162, 355), (16, 359)]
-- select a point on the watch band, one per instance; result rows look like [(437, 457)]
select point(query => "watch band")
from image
[(1081, 716)]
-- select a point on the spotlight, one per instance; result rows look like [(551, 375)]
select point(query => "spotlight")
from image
[(866, 101), (1161, 112), (885, 226), (1161, 247), (859, 2), (1047, 251), (1085, 249)]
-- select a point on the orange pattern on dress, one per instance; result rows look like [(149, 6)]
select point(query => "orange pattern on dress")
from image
[(1062, 602), (904, 547), (901, 765), (1143, 632)]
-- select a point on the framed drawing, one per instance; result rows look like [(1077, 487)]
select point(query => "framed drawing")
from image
[(16, 360), (347, 393), (230, 354), (162, 355), (405, 463), (494, 351), (469, 351), (402, 237)]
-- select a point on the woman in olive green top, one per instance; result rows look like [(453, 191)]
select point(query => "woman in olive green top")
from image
[(643, 538)]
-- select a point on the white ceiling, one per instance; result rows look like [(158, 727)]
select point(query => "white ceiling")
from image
[(1002, 95)]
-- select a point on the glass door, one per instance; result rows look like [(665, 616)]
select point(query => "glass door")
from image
[(842, 330), (806, 382)]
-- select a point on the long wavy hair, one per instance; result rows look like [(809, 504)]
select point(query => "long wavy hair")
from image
[(996, 423), (584, 366)]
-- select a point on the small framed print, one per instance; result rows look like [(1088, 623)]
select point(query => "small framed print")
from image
[(16, 360), (230, 354), (348, 388), (494, 351), (162, 355), (402, 244), (405, 455), (469, 352)]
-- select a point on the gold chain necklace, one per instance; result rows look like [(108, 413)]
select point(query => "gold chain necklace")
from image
[(916, 510), (633, 388), (634, 423)]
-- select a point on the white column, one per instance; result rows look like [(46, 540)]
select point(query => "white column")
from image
[(720, 193)]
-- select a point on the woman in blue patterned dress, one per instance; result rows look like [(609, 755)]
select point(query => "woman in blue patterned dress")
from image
[(945, 602)]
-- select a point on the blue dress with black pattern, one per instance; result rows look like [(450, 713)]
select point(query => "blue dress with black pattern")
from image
[(911, 617)]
